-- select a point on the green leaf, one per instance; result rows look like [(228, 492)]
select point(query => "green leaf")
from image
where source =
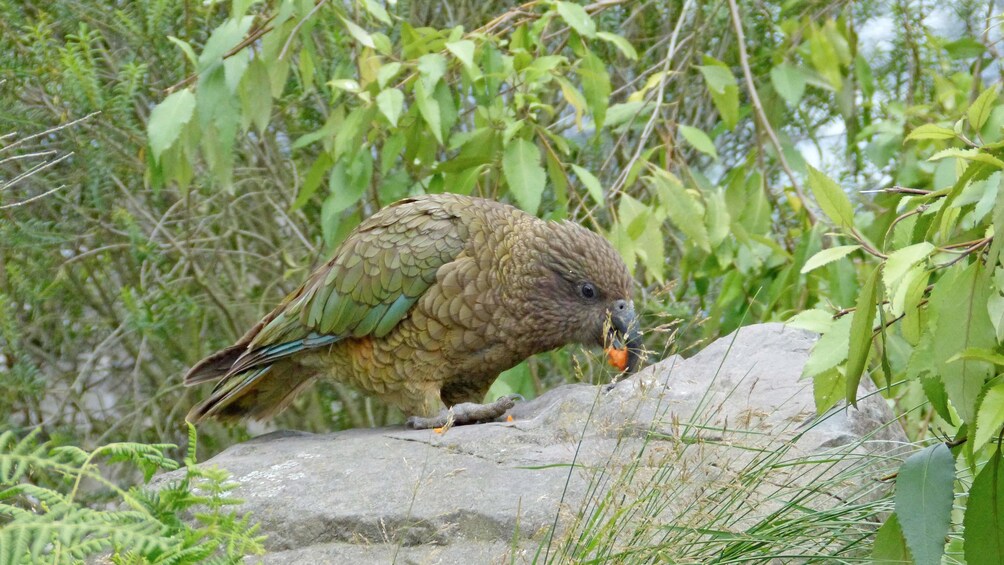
[(968, 155), (934, 390), (350, 135), (428, 107), (376, 10), (902, 260), (591, 183), (223, 39), (524, 173), (825, 58), (789, 82), (828, 389), (698, 140), (830, 349), (861, 334), (724, 90), (984, 519), (464, 51), (958, 302), (167, 120), (831, 198), (990, 417), (980, 110), (925, 489), (185, 48), (431, 67), (387, 73), (348, 183), (312, 180), (595, 85), (623, 44), (256, 96), (828, 256), (574, 97), (391, 103), (577, 18), (360, 34), (718, 77), (931, 131), (890, 546), (683, 209), (813, 319), (965, 48)]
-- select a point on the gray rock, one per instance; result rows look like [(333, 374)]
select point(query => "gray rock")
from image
[(686, 429)]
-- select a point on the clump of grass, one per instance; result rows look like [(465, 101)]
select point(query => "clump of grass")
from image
[(694, 492)]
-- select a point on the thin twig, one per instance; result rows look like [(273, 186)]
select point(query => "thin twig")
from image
[(33, 198), (48, 131), (758, 108), (660, 94)]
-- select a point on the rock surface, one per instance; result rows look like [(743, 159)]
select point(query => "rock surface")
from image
[(492, 492)]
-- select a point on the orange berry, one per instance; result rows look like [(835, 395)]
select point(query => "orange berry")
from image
[(617, 358)]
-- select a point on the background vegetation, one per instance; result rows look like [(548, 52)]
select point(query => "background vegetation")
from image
[(169, 170)]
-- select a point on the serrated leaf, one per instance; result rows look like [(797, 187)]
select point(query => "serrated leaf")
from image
[(698, 140), (524, 173), (718, 77), (890, 546), (223, 39), (620, 43), (431, 68), (958, 302), (577, 18), (984, 519), (391, 103), (185, 48), (591, 183), (595, 86), (860, 340), (968, 155), (573, 97), (830, 349), (827, 256), (930, 131), (980, 109), (464, 51), (789, 82), (831, 198), (376, 10), (167, 120), (990, 417), (900, 261), (387, 72), (813, 320), (683, 209), (827, 389), (925, 489), (723, 88), (361, 35), (312, 180), (428, 107)]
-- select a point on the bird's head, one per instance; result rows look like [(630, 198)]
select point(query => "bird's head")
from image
[(586, 292)]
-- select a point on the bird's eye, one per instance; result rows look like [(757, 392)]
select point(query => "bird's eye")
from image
[(587, 290)]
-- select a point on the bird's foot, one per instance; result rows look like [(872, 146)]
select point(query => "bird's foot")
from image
[(465, 413)]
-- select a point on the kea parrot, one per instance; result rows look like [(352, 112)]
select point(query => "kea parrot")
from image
[(423, 305)]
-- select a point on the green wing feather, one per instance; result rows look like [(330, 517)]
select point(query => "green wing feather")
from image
[(375, 277)]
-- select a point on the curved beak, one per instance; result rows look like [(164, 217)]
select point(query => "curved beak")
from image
[(624, 333)]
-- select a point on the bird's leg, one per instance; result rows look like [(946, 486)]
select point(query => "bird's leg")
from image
[(465, 413)]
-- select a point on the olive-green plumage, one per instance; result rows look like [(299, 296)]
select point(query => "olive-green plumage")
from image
[(425, 303)]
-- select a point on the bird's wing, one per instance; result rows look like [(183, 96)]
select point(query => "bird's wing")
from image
[(367, 288)]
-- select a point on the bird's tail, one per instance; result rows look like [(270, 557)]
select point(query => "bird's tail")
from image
[(258, 394)]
